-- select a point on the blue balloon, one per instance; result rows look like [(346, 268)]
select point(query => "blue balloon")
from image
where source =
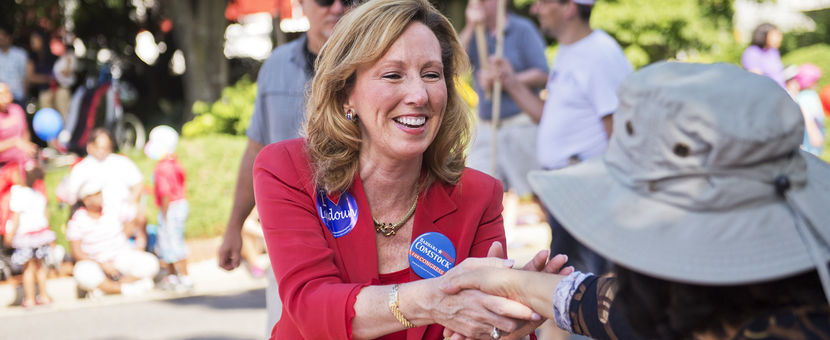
[(47, 123)]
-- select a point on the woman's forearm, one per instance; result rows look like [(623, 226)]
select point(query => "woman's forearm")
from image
[(468, 312), (373, 317), (539, 291)]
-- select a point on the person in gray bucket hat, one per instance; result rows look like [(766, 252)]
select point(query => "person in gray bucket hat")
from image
[(716, 221)]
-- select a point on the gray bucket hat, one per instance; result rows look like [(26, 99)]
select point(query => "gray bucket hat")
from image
[(703, 181)]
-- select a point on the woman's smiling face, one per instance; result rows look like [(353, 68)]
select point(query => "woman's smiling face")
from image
[(400, 99)]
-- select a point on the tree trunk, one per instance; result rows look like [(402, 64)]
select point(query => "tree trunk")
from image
[(199, 30)]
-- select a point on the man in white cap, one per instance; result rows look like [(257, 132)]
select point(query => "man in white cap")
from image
[(576, 117)]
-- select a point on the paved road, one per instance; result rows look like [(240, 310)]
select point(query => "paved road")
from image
[(234, 316), (226, 305)]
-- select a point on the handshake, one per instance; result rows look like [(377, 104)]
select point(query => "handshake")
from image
[(486, 298)]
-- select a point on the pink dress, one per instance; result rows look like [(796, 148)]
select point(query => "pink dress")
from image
[(12, 125)]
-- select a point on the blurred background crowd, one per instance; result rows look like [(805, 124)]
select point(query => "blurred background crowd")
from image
[(129, 66)]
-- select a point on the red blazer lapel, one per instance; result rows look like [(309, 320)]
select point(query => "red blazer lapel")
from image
[(434, 206), (358, 249)]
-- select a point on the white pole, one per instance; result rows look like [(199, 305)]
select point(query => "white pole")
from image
[(497, 84)]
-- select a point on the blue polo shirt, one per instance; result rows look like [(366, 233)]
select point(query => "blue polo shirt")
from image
[(13, 70), (279, 108), (524, 48)]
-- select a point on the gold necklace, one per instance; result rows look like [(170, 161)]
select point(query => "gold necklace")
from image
[(389, 229)]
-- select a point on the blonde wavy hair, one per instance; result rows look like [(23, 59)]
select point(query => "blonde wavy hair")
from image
[(361, 38)]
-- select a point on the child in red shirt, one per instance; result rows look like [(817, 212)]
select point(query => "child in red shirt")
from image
[(168, 180)]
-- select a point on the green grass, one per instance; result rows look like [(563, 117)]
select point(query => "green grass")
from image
[(58, 214), (211, 164)]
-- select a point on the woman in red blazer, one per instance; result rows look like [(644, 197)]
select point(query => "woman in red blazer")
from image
[(382, 165)]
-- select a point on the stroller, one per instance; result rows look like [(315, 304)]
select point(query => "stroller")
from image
[(98, 104)]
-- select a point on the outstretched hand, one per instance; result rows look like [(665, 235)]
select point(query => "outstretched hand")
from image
[(471, 313), (496, 281)]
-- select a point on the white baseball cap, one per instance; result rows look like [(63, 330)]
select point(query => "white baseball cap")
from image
[(89, 188), (163, 140)]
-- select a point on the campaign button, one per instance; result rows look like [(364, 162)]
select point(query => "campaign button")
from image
[(431, 255), (339, 217)]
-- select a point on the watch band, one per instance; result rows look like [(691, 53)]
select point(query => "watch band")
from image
[(393, 306)]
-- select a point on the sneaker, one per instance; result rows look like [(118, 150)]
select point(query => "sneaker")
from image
[(43, 300), (27, 304), (55, 257), (136, 288), (256, 271), (185, 284), (169, 282), (94, 294)]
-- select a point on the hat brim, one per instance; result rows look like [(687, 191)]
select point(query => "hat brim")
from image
[(745, 245)]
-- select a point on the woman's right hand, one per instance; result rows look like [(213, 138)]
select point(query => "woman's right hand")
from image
[(460, 279), (473, 314), (470, 313)]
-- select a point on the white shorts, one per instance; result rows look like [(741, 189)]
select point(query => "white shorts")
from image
[(136, 263), (516, 151)]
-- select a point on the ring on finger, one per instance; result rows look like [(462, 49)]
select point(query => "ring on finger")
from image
[(495, 333)]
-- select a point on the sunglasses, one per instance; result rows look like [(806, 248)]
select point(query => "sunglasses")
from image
[(327, 3)]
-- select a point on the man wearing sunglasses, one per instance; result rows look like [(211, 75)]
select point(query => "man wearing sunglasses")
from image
[(278, 115)]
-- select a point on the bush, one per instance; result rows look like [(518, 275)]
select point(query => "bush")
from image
[(229, 115)]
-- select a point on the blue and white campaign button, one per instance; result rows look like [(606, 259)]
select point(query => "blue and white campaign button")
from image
[(431, 255), (339, 217)]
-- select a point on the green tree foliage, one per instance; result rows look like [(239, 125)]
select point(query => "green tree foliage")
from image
[(106, 24), (694, 30), (228, 115), (25, 15), (649, 31), (799, 38)]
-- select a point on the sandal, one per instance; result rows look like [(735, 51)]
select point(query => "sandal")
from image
[(27, 304), (43, 300)]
